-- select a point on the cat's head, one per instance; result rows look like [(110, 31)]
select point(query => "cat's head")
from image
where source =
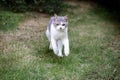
[(60, 22)]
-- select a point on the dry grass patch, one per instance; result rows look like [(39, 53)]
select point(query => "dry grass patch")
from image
[(29, 30)]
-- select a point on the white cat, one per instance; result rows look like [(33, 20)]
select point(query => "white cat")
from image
[(57, 34)]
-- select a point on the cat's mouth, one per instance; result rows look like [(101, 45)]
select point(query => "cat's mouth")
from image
[(61, 28)]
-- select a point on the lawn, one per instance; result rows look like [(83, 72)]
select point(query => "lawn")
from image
[(9, 20), (94, 47)]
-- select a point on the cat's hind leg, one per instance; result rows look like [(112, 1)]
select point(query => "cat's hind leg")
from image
[(49, 38)]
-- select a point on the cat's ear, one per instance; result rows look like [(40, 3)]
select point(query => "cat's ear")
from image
[(66, 18), (55, 16)]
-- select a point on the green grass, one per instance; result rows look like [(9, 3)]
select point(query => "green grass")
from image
[(90, 57), (9, 20)]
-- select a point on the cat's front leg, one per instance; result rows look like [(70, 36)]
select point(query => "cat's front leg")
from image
[(54, 46), (60, 48), (66, 46)]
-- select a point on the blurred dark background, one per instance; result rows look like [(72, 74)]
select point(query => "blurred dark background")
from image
[(52, 6), (112, 5)]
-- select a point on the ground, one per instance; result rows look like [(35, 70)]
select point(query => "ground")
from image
[(94, 47)]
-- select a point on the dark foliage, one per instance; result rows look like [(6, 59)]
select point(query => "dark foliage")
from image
[(48, 6), (113, 5)]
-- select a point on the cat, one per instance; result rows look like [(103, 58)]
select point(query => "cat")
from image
[(57, 34)]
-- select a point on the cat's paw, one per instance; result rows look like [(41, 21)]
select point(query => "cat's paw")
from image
[(60, 55), (56, 52), (66, 53), (50, 47)]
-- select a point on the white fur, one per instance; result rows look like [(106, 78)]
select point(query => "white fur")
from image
[(58, 37)]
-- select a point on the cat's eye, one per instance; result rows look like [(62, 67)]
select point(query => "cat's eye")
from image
[(63, 24), (57, 24)]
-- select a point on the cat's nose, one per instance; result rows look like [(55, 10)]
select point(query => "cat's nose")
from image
[(60, 28)]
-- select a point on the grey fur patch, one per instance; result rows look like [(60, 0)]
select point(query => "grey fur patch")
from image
[(59, 19)]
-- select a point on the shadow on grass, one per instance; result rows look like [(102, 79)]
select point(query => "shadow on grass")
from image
[(48, 56), (107, 15), (114, 18)]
